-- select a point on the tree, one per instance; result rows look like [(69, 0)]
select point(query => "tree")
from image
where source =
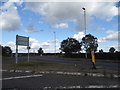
[(0, 50), (101, 51), (6, 51), (40, 51), (112, 50), (90, 43), (70, 45)]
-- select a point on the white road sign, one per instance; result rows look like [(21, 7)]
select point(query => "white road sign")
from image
[(20, 40), (24, 41)]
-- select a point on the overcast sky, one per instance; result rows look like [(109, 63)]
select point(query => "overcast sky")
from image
[(39, 20)]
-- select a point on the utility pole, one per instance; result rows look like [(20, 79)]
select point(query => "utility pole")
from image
[(85, 31)]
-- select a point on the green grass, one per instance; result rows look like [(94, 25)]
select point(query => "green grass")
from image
[(69, 58), (88, 59), (5, 58), (42, 65), (34, 64)]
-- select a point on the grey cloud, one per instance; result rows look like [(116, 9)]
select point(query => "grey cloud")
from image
[(31, 28)]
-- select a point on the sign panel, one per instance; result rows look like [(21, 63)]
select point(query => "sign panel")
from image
[(20, 40), (22, 43)]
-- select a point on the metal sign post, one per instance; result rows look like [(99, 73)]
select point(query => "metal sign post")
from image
[(28, 53), (16, 49), (23, 41), (16, 54)]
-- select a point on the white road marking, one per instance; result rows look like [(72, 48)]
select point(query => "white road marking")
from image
[(66, 73), (12, 70), (89, 86), (28, 71), (3, 70), (19, 77)]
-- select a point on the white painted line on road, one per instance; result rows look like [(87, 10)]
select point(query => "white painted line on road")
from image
[(67, 73), (117, 76), (12, 70), (20, 77), (89, 86), (18, 71), (3, 70), (59, 72), (79, 74), (28, 71), (102, 86)]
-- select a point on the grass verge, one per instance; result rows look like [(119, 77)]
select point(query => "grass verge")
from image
[(80, 59), (5, 58), (42, 65), (35, 64)]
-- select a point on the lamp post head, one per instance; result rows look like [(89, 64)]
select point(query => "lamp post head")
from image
[(83, 8)]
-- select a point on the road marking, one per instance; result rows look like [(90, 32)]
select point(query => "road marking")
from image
[(67, 73), (19, 77), (89, 86), (28, 71), (3, 70)]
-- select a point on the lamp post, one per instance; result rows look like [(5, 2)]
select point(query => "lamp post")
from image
[(85, 31), (55, 40)]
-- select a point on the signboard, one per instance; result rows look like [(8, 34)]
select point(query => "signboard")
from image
[(21, 40), (24, 41)]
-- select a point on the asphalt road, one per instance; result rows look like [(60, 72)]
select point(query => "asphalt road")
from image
[(32, 80), (29, 80), (87, 63)]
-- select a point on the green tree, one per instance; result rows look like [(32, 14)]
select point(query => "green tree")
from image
[(112, 50), (70, 45), (101, 51), (6, 51), (90, 43), (40, 51), (1, 50)]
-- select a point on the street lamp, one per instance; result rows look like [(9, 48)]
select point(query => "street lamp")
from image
[(85, 30), (55, 41)]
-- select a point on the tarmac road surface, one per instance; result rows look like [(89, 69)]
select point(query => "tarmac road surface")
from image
[(52, 81), (28, 80)]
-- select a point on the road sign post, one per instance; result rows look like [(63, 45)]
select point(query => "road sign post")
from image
[(23, 41), (16, 53), (28, 53)]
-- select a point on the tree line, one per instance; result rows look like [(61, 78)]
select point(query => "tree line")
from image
[(69, 46), (6, 50), (88, 43)]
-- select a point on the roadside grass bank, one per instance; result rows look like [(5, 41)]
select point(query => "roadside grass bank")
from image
[(34, 63), (6, 57), (50, 66), (43, 65), (61, 57), (78, 59)]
